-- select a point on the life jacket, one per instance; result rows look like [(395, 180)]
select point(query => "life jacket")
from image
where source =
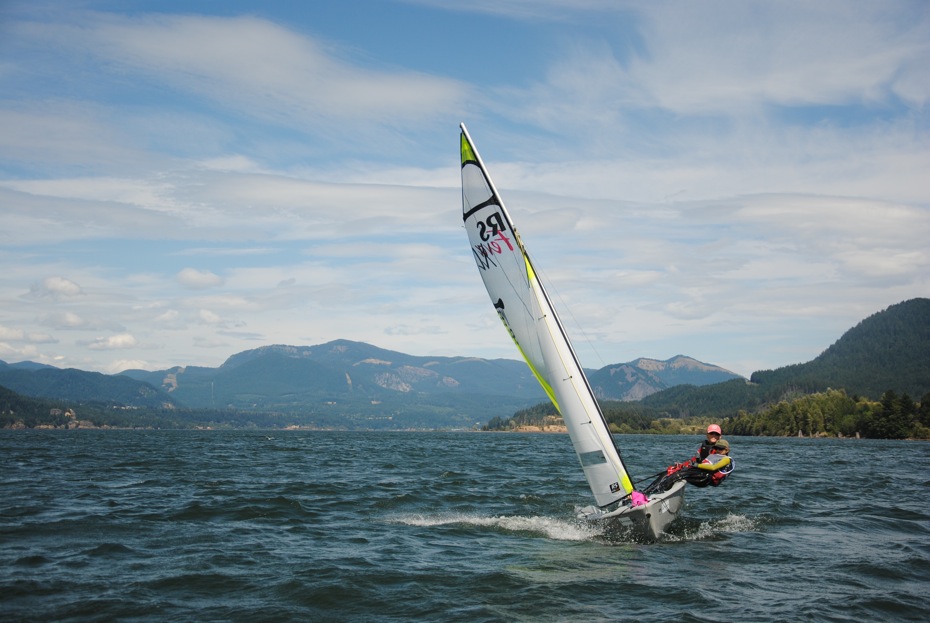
[(720, 465), (706, 448)]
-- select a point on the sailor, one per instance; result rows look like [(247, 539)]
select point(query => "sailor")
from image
[(713, 469), (709, 471), (707, 446), (721, 448), (710, 467)]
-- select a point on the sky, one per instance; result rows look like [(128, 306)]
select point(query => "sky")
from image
[(737, 181)]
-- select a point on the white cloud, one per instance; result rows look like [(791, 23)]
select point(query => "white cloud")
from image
[(11, 335), (120, 365), (168, 317), (255, 67), (235, 163), (208, 317), (730, 98), (18, 335), (113, 342), (55, 288), (198, 279), (28, 352), (740, 182), (56, 133), (65, 320), (721, 57)]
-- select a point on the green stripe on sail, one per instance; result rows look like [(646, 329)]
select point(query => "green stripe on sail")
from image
[(531, 278), (468, 154), (545, 385)]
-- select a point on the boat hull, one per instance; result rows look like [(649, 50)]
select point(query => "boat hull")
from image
[(648, 520)]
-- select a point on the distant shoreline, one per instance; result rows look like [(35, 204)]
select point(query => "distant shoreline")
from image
[(532, 430)]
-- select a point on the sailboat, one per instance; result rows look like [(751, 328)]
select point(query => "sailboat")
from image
[(529, 317)]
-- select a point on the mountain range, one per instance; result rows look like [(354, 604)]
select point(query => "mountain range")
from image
[(353, 384), (348, 380)]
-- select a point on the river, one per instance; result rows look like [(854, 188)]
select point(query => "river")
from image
[(110, 525)]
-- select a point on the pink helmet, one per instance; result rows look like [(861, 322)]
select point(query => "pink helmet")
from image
[(713, 428)]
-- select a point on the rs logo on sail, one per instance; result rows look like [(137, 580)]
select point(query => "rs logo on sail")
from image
[(491, 231)]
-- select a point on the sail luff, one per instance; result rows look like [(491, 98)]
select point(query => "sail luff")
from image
[(529, 316)]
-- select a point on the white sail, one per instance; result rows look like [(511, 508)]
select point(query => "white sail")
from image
[(526, 311)]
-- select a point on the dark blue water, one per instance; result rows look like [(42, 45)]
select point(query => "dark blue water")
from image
[(338, 526)]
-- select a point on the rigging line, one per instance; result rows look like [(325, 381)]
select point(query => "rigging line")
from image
[(648, 477), (550, 287), (546, 282)]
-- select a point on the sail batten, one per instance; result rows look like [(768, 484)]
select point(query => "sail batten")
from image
[(527, 313)]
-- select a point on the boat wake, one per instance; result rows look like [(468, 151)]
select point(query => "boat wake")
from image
[(549, 527), (714, 529), (683, 530)]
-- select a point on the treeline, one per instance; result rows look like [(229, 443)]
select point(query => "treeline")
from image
[(831, 413), (534, 416), (622, 417), (18, 411), (21, 411)]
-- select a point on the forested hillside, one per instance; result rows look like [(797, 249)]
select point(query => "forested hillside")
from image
[(888, 350), (866, 383), (80, 386), (833, 413)]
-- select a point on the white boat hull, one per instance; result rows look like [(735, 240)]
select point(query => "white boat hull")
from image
[(648, 520)]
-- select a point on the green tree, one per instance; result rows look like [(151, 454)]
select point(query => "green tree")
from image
[(923, 411)]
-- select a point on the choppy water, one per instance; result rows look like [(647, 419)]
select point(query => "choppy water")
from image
[(339, 526)]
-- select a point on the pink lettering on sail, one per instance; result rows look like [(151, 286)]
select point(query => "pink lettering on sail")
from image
[(484, 251)]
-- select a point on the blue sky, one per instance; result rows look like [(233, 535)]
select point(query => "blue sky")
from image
[(739, 181)]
